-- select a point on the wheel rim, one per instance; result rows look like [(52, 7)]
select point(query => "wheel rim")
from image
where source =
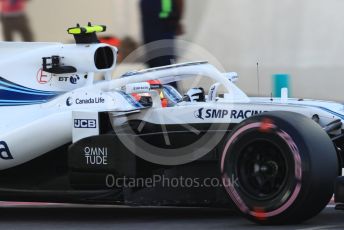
[(262, 170)]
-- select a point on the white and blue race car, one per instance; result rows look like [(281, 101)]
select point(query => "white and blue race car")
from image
[(135, 140)]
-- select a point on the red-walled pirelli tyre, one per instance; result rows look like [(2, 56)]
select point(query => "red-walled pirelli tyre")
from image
[(279, 168)]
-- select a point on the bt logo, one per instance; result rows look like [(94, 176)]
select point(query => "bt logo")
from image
[(72, 79)]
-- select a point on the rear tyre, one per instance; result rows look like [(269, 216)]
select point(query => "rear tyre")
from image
[(279, 168)]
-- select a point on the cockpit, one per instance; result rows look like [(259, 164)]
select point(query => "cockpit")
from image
[(148, 86)]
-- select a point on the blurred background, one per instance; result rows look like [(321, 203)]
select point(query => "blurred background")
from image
[(303, 39)]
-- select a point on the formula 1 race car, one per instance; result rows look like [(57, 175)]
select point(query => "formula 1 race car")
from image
[(135, 140)]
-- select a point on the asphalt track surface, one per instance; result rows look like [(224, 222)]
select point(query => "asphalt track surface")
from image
[(52, 216)]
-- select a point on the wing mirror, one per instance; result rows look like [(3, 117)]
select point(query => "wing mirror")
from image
[(232, 76)]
